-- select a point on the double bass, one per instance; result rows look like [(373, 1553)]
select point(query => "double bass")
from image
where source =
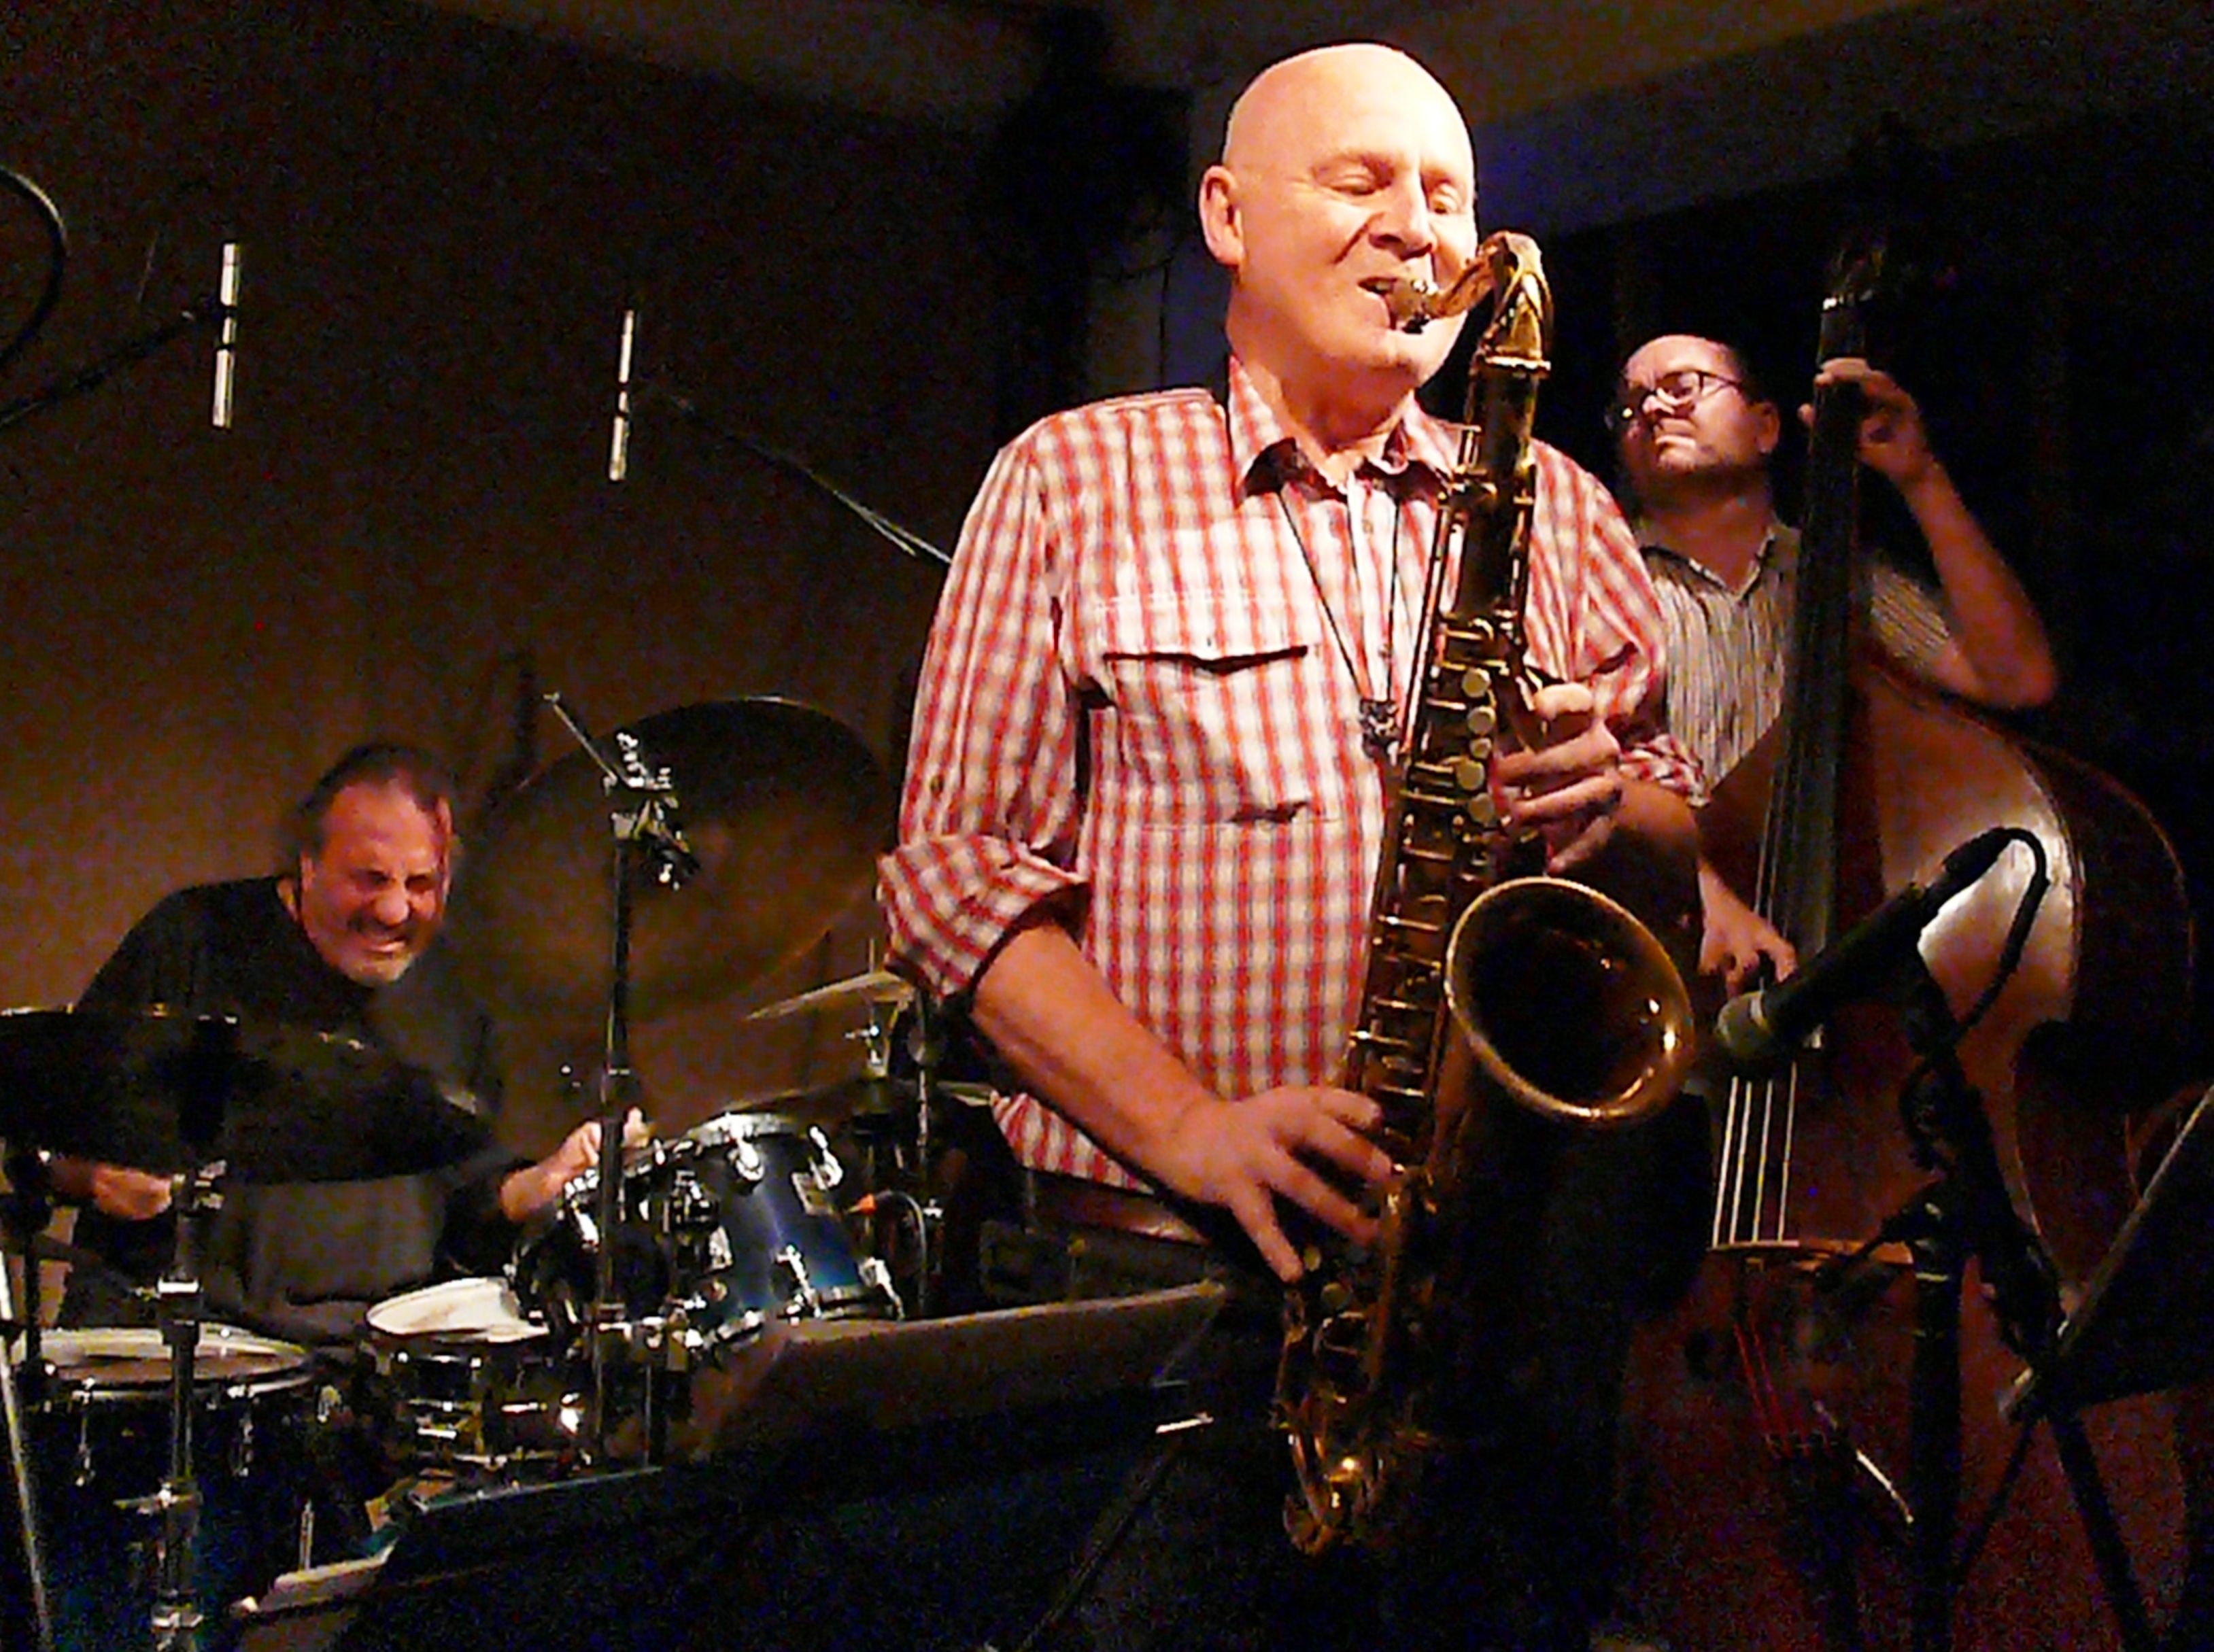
[(1814, 1454)]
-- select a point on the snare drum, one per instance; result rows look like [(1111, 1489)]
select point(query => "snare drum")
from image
[(463, 1378), (100, 1441)]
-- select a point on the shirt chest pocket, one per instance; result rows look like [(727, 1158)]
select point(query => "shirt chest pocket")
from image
[(1214, 711)]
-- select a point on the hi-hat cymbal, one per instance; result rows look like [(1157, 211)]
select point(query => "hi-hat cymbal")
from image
[(157, 1089), (785, 809), (877, 988)]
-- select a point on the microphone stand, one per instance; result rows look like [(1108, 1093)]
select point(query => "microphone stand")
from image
[(213, 311), (1964, 1212), (627, 402), (642, 814)]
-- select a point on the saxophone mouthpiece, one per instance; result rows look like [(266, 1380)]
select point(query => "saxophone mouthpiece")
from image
[(1415, 303), (1409, 301)]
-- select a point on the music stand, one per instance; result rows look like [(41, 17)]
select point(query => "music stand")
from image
[(2145, 1324), (2146, 1321), (837, 1484)]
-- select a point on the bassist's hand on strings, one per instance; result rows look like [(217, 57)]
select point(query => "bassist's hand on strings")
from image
[(1734, 940)]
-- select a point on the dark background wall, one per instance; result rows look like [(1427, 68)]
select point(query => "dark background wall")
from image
[(410, 529), (410, 526)]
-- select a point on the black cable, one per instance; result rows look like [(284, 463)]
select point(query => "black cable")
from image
[(50, 218)]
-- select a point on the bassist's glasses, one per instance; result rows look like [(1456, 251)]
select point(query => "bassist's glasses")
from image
[(1677, 391)]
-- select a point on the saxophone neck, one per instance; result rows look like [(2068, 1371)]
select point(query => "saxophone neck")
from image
[(1506, 270)]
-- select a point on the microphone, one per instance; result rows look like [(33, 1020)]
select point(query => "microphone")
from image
[(226, 343), (619, 441), (1756, 1029)]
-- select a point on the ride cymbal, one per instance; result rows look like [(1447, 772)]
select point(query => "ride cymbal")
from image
[(784, 808)]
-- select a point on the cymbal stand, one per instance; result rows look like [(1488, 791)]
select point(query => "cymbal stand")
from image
[(648, 841), (27, 1208), (176, 1617), (899, 1165), (926, 1044)]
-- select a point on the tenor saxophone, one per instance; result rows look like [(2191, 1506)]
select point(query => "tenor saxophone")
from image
[(1481, 986)]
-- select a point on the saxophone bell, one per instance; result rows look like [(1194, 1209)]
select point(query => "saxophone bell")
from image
[(1571, 1005)]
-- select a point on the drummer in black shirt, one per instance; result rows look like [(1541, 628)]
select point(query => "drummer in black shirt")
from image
[(343, 940)]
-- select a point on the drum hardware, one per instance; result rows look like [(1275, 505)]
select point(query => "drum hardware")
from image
[(101, 1440), (284, 1104), (464, 1381), (877, 988), (24, 1213), (203, 1097), (722, 1233), (739, 830), (785, 809), (649, 847)]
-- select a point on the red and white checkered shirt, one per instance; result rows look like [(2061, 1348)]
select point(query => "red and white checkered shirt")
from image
[(1141, 697)]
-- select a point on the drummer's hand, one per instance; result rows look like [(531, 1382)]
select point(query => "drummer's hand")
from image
[(528, 1191), (1567, 783), (127, 1195), (1245, 1155)]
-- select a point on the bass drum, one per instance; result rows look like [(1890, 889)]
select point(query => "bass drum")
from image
[(99, 1442)]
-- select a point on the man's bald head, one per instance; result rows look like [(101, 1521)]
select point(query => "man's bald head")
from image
[(1344, 169), (1284, 95)]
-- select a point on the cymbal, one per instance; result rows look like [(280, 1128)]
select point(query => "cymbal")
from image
[(863, 1096), (835, 1102), (157, 1089), (785, 809), (877, 988)]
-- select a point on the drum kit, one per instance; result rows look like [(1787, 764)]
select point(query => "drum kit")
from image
[(726, 838)]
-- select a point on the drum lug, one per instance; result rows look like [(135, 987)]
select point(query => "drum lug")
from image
[(828, 1171), (81, 1466), (804, 1289), (746, 1158), (241, 1446), (690, 1205), (876, 1274)]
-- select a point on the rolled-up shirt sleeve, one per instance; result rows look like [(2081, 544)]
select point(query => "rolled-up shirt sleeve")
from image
[(995, 782)]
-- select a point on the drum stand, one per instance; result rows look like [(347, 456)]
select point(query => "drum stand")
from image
[(648, 842), (176, 1618), (905, 1189), (23, 1215)]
